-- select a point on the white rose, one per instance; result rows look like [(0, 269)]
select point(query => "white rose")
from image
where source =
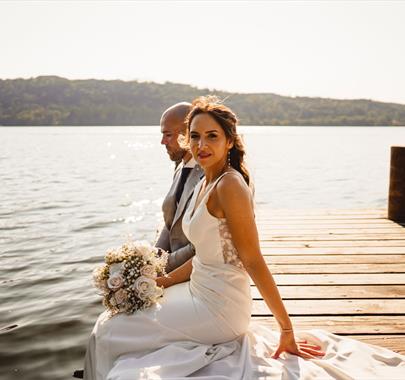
[(145, 249), (148, 271), (115, 281), (158, 292), (145, 287), (120, 296), (116, 268)]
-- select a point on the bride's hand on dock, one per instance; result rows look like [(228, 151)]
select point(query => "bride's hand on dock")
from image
[(300, 348)]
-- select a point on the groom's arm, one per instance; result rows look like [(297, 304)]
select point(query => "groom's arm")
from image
[(179, 257), (176, 258)]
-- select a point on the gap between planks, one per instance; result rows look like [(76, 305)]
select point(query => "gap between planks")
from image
[(336, 307), (333, 259), (337, 292)]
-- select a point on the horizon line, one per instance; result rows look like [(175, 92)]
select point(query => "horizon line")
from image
[(198, 87)]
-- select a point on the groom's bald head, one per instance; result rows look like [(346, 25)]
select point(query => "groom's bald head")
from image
[(176, 115), (172, 124)]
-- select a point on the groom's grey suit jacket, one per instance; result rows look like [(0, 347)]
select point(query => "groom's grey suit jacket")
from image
[(172, 238)]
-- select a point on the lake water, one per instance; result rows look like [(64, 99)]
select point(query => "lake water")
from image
[(70, 193)]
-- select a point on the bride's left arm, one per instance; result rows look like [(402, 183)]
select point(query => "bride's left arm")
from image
[(235, 199)]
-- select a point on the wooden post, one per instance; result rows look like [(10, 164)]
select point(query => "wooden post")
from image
[(396, 198)]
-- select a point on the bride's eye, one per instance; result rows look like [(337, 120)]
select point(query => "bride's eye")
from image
[(193, 136), (212, 136)]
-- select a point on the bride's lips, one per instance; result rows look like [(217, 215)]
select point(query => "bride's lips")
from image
[(202, 156)]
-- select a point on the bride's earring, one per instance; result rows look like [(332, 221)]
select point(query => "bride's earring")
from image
[(229, 158)]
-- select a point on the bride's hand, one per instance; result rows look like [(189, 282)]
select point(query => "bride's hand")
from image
[(163, 281), (302, 348)]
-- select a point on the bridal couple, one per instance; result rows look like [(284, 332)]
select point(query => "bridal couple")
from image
[(202, 326)]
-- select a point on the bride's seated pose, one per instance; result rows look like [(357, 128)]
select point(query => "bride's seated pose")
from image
[(201, 328)]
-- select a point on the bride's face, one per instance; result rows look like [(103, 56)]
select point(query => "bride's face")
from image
[(208, 142)]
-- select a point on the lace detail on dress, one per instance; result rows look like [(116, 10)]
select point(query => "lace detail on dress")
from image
[(228, 250)]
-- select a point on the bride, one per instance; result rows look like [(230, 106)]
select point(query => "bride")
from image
[(202, 328)]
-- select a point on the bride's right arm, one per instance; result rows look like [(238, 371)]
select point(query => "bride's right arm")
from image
[(235, 199), (176, 276)]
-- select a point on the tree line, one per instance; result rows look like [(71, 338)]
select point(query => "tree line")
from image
[(51, 100)]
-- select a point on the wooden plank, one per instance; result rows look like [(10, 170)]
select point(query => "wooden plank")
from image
[(336, 268), (326, 223), (332, 238), (335, 307), (340, 279), (339, 223), (309, 230), (358, 324), (296, 251), (337, 243), (333, 259), (265, 210), (285, 217), (337, 291), (392, 342), (324, 210)]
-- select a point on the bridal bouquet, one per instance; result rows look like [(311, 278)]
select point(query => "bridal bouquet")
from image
[(127, 280)]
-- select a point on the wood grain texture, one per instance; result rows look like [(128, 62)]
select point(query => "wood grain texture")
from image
[(334, 259), (338, 270), (341, 279), (295, 251), (337, 291), (336, 307), (344, 325)]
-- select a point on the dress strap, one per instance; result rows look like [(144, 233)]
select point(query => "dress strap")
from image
[(205, 197), (212, 186)]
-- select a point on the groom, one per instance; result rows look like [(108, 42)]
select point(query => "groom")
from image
[(186, 175)]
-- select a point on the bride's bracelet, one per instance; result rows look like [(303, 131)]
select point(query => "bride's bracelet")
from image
[(287, 330)]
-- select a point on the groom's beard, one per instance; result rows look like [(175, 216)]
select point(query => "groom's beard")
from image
[(176, 155)]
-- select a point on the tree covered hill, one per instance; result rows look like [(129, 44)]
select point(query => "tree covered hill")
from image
[(51, 100)]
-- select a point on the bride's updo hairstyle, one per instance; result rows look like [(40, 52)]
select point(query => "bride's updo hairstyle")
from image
[(227, 119)]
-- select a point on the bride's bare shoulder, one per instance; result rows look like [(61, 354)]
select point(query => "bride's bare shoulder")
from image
[(232, 185)]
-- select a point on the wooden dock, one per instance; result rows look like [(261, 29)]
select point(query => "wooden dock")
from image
[(338, 270)]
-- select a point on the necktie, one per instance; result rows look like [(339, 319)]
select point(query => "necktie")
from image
[(183, 178)]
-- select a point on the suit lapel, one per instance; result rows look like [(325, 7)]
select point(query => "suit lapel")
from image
[(192, 180)]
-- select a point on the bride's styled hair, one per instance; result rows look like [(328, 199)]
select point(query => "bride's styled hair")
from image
[(227, 119)]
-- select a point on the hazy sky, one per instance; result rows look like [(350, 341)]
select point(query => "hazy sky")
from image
[(339, 49)]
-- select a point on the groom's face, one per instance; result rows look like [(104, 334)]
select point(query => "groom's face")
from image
[(171, 128)]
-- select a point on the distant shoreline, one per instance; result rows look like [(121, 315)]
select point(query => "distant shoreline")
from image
[(56, 101), (243, 126)]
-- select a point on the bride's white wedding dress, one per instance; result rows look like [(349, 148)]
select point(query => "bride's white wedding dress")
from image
[(202, 329)]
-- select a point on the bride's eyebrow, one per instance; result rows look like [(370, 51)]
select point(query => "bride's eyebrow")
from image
[(213, 130)]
